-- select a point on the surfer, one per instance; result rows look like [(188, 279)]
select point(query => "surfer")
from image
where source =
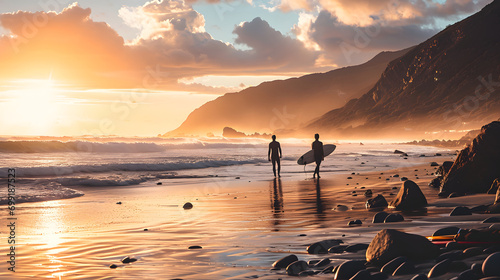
[(274, 154), (319, 154)]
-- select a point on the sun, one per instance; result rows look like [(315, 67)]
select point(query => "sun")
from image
[(31, 106)]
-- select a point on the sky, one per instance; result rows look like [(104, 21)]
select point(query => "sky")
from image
[(138, 68)]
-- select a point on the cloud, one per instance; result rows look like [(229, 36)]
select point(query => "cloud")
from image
[(172, 45)]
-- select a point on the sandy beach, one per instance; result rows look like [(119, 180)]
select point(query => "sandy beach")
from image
[(243, 225)]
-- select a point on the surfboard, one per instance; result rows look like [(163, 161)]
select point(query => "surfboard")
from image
[(309, 156)]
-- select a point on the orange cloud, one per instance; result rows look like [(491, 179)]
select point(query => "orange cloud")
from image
[(172, 45)]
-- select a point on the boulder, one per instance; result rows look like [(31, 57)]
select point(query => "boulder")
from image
[(409, 197), (476, 166), (494, 186), (394, 218), (404, 269), (376, 202), (440, 268), (461, 211), (446, 231), (391, 266), (389, 244)]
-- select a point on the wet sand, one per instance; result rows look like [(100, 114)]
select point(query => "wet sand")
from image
[(242, 225)]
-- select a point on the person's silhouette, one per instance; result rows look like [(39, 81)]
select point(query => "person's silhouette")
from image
[(274, 155), (319, 154)]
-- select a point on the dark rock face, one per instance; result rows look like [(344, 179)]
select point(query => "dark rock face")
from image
[(376, 202), (443, 169), (409, 198), (476, 167), (389, 244)]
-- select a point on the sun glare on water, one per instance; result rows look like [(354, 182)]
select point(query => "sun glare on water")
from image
[(30, 106)]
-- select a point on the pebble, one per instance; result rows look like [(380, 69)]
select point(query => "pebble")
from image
[(403, 179), (328, 269), (145, 229), (341, 208), (349, 178), (159, 183), (195, 247), (355, 223), (461, 211), (113, 266), (472, 251), (187, 205), (119, 202), (392, 218), (128, 260), (323, 262), (322, 247), (491, 265), (296, 267), (285, 261)]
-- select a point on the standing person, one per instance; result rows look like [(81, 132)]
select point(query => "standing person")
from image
[(319, 154), (274, 154)]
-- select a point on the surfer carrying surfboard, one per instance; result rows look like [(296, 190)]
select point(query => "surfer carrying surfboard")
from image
[(274, 155), (319, 154)]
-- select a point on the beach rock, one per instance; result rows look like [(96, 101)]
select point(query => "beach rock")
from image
[(187, 205), (461, 211), (436, 182), (368, 193), (376, 202), (159, 183), (285, 261), (452, 245), (404, 269), (477, 268), (452, 255), (339, 249), (379, 217), (391, 266), (409, 198), (296, 267), (323, 262), (307, 273), (454, 194), (113, 266), (379, 276), (480, 209), (434, 163), (389, 244), (399, 152), (494, 186), (341, 208), (491, 220), (119, 202), (394, 218), (322, 247), (356, 247), (491, 278), (348, 269), (195, 247), (472, 252), (468, 275), (444, 168), (329, 269), (476, 167), (446, 231), (403, 179), (395, 175), (361, 275), (128, 260), (420, 277), (492, 249), (440, 268), (491, 265), (355, 223)]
